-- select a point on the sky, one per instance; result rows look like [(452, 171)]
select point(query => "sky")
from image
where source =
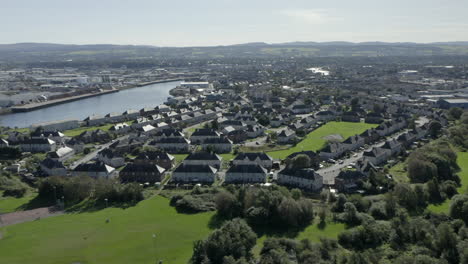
[(225, 22)]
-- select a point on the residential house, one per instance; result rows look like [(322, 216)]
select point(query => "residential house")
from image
[(160, 158), (353, 142), (52, 167), (299, 109), (194, 174), (4, 143), (142, 173), (111, 158), (349, 181), (172, 144), (218, 145), (97, 170), (332, 150), (254, 158), (61, 154), (325, 115), (350, 117), (95, 120), (56, 136), (203, 158), (392, 147), (120, 128), (37, 145), (376, 155), (306, 179), (246, 173), (365, 166), (286, 136), (254, 131), (202, 134)]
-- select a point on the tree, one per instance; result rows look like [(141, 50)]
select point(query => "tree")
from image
[(235, 238), (446, 243), (420, 170), (300, 161), (227, 205), (435, 127), (459, 207), (455, 113)]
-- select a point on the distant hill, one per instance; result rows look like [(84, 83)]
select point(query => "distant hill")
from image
[(40, 52)]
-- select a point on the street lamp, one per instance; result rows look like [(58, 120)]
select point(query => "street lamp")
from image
[(63, 201), (105, 199)]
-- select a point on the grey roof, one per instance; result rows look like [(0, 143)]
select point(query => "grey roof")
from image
[(307, 173), (250, 168), (195, 168), (203, 156), (252, 156)]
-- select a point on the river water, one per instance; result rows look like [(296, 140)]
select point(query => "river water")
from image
[(135, 98)]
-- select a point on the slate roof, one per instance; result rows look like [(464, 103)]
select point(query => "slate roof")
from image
[(251, 168), (252, 156), (195, 168)]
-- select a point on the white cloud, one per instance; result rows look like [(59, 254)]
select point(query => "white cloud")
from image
[(311, 16)]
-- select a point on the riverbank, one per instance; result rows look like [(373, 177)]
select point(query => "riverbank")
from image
[(149, 83), (117, 102), (34, 106)]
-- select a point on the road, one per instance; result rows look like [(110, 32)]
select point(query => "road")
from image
[(93, 154)]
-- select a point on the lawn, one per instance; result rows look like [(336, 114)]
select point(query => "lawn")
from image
[(79, 130), (179, 157), (313, 232), (315, 140), (462, 161), (11, 204), (399, 173), (127, 238)]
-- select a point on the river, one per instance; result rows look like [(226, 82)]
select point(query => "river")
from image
[(134, 98)]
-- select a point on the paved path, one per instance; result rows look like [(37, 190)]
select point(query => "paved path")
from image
[(28, 215)]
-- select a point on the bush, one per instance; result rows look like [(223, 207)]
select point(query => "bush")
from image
[(17, 192)]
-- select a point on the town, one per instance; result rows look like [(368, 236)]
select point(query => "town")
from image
[(323, 130)]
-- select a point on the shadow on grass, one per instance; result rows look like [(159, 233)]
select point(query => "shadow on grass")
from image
[(216, 221), (90, 205), (322, 225), (35, 203)]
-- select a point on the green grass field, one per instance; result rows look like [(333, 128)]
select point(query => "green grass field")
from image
[(462, 161), (312, 232), (79, 130), (87, 238), (399, 173), (11, 204), (315, 139)]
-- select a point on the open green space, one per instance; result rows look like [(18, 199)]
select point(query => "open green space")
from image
[(126, 238), (313, 232), (399, 172), (79, 130), (12, 204), (462, 161), (315, 140)]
